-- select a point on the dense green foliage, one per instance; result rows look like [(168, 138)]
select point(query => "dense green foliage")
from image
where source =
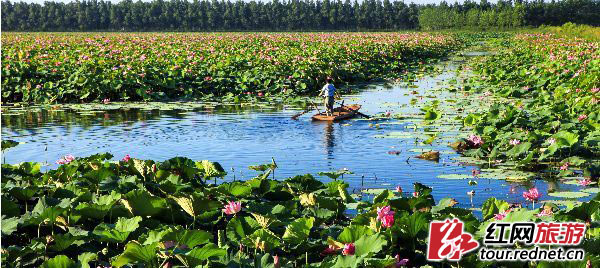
[(505, 14), (83, 67), (91, 211), (178, 15), (205, 15), (549, 89), (573, 30)]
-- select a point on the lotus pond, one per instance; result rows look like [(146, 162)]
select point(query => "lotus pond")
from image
[(72, 204), (380, 153)]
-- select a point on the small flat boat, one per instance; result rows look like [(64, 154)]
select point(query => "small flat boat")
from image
[(339, 113)]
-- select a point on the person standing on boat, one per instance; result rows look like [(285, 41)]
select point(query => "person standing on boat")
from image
[(329, 92)]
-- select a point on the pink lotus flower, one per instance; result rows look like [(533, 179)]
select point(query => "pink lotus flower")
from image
[(565, 166), (126, 158), (260, 94), (276, 263), (475, 140), (500, 216), (348, 249), (388, 220), (551, 141), (532, 194), (582, 117), (388, 114), (514, 142), (106, 101), (595, 90), (65, 159), (415, 194), (584, 182), (384, 211), (401, 262), (232, 207), (399, 189), (329, 250)]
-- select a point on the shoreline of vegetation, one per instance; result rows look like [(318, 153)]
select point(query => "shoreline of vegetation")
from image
[(97, 212), (547, 119)]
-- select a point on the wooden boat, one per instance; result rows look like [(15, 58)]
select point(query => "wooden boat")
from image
[(339, 113)]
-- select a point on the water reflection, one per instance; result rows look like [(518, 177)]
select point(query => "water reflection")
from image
[(329, 138)]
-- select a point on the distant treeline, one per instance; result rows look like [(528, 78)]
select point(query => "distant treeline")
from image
[(204, 15), (506, 14)]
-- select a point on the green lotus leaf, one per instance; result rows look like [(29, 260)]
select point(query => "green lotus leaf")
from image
[(352, 233), (118, 232), (591, 190), (368, 245), (93, 210), (493, 206), (569, 194), (60, 261), (86, 257), (6, 144), (322, 213), (519, 149), (190, 238), (240, 227), (96, 176), (9, 225), (48, 209), (237, 189), (195, 205), (566, 138), (10, 208), (305, 183), (297, 231), (412, 226), (135, 253), (62, 242), (442, 204), (198, 256), (23, 193), (142, 203), (347, 261), (383, 196), (262, 238), (212, 169)]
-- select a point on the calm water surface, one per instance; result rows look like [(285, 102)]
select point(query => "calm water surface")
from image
[(240, 138)]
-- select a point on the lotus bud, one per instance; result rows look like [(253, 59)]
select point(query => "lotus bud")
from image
[(154, 168)]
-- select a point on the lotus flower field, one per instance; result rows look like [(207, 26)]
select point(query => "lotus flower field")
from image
[(86, 67), (94, 211), (549, 112)]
